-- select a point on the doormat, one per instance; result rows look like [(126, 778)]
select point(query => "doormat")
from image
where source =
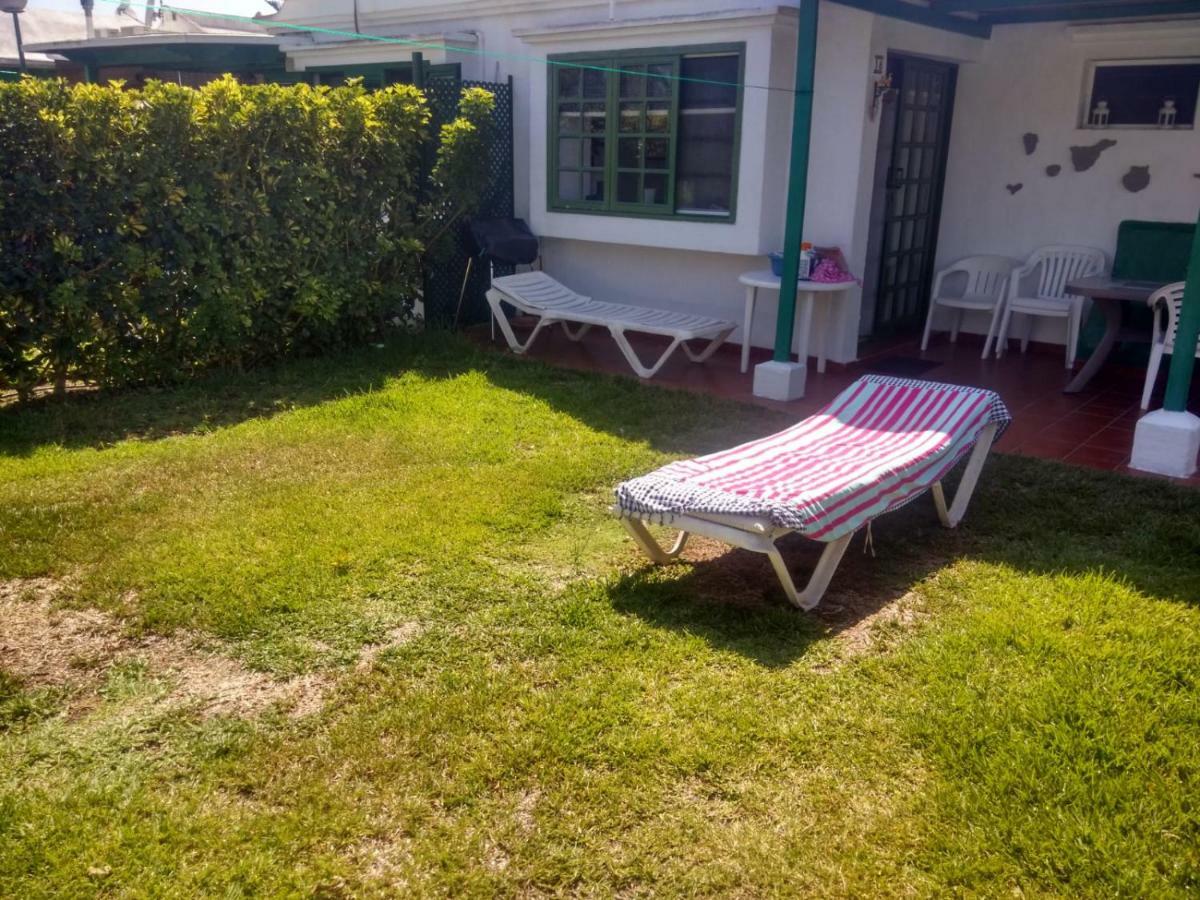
[(901, 366)]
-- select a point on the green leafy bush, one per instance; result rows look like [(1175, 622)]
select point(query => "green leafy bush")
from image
[(148, 234)]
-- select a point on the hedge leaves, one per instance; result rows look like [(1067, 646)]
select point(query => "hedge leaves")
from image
[(148, 234)]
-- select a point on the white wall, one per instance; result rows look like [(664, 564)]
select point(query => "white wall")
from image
[(1030, 79)]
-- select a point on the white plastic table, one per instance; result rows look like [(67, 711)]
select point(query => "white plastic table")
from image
[(806, 292)]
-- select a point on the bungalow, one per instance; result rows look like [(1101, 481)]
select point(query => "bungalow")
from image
[(932, 131)]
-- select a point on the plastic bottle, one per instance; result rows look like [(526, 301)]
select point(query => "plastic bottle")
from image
[(806, 261)]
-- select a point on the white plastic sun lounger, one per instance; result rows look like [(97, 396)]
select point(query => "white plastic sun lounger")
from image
[(537, 294), (879, 445)]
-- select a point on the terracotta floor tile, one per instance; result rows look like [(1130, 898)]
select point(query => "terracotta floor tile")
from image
[(1099, 458), (1112, 439)]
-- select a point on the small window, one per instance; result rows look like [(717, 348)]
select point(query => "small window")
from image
[(646, 133), (1142, 94)]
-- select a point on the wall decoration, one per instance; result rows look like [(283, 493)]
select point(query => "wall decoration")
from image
[(1085, 156), (1136, 179), (1013, 188), (1030, 139), (1053, 170)]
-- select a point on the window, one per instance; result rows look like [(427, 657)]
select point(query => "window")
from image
[(647, 133), (1142, 94)]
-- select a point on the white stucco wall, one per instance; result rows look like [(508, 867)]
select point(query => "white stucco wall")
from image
[(1026, 78), (1031, 79)]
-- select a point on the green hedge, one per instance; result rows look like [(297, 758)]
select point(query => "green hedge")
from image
[(148, 234)]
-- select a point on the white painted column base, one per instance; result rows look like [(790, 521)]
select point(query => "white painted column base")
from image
[(780, 380), (1166, 443)]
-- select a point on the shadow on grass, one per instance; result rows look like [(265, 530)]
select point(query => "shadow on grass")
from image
[(219, 400), (1031, 516), (672, 422)]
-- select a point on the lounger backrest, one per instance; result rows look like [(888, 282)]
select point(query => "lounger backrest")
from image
[(538, 291)]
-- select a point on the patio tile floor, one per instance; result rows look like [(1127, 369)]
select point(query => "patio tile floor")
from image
[(1093, 428)]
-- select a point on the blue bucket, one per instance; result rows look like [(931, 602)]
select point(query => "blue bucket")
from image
[(776, 263)]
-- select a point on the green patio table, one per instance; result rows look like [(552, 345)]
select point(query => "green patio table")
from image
[(1110, 295)]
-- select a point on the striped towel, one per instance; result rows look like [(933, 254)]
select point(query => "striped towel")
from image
[(881, 443)]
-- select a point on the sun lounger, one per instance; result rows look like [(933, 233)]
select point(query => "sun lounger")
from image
[(537, 294), (879, 445)]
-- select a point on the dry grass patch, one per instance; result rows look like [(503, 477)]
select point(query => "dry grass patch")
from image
[(48, 646)]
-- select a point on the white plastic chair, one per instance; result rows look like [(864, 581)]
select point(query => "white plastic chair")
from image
[(1167, 302), (984, 290), (1039, 288)]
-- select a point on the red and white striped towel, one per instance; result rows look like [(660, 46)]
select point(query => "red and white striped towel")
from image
[(881, 443)]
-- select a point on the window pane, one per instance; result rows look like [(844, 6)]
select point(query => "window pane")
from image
[(658, 117), (569, 186), (631, 117), (595, 83), (707, 122), (629, 153), (654, 190), (633, 81), (568, 118), (593, 153), (593, 186), (570, 153), (658, 153), (709, 82), (627, 187), (1135, 94), (659, 80), (569, 81), (595, 118)]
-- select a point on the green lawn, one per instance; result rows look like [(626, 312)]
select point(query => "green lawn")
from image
[(362, 627)]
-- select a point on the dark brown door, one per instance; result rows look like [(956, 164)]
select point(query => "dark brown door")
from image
[(914, 181)]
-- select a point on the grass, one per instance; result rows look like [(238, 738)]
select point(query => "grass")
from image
[(1013, 707)]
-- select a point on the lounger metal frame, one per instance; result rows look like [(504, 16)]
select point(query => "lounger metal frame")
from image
[(555, 304), (759, 535)]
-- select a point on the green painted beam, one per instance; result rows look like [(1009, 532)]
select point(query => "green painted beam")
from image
[(1093, 13), (802, 103), (991, 8), (921, 15), (1183, 360)]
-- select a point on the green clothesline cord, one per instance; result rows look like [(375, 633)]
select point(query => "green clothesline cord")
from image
[(426, 45)]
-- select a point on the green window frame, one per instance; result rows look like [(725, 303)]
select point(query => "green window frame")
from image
[(614, 129)]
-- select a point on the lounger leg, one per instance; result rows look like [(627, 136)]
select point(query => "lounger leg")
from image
[(966, 488), (644, 539), (506, 328), (818, 582), (578, 334), (708, 351), (632, 358)]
